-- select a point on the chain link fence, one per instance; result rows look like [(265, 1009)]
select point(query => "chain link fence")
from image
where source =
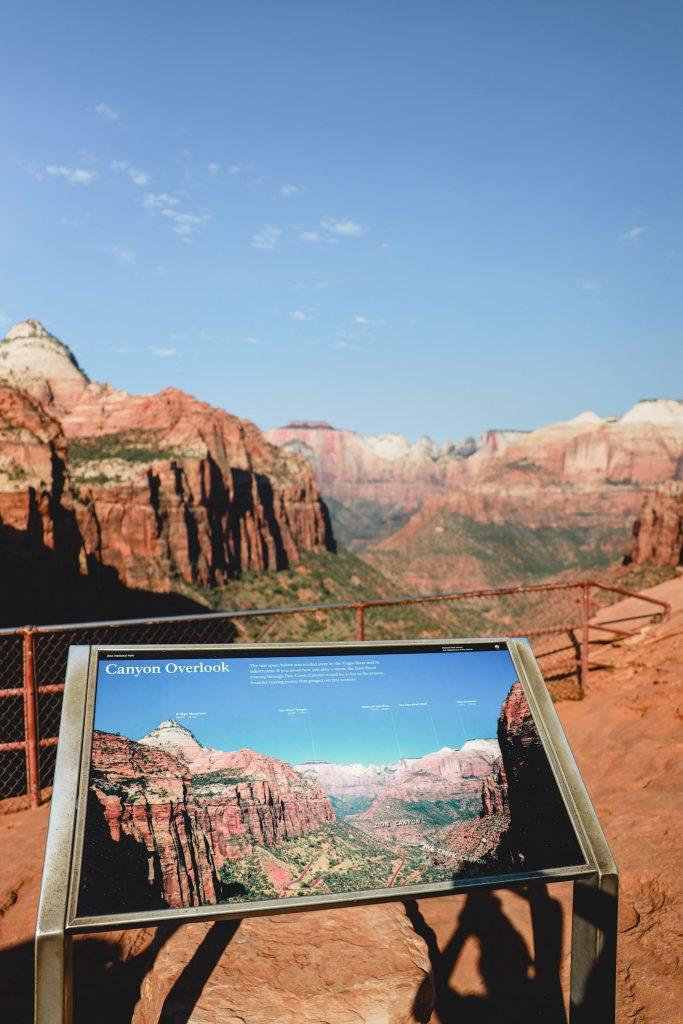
[(557, 618)]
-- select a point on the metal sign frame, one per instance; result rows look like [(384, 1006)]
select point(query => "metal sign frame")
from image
[(594, 913)]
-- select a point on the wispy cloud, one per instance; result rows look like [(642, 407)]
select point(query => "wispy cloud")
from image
[(255, 341), (365, 321), (349, 346), (153, 202), (309, 236), (301, 314), (166, 353), (590, 286), (289, 190), (266, 238), (69, 222), (347, 228), (125, 256), (631, 236), (74, 175), (234, 168), (123, 350), (185, 224), (213, 169), (104, 111), (137, 176)]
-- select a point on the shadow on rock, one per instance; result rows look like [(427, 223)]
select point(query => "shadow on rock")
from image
[(518, 988)]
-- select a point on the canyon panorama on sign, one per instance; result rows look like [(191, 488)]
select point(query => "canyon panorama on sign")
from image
[(120, 504)]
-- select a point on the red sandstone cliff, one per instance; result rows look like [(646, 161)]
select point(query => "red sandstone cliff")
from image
[(540, 833), (147, 795), (658, 531), (158, 489), (189, 807), (416, 509), (248, 797)]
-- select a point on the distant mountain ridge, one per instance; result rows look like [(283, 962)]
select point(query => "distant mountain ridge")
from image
[(510, 506)]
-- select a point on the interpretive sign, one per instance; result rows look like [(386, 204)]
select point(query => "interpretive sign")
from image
[(226, 781)]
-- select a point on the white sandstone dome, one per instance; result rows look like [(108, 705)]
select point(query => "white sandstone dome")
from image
[(34, 360)]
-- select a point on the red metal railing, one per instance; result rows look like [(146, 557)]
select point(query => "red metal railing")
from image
[(33, 658)]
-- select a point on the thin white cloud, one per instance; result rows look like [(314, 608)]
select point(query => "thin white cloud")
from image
[(254, 341), (301, 314), (631, 236), (166, 353), (309, 236), (266, 238), (123, 350), (153, 202), (289, 190), (234, 168), (104, 111), (69, 222), (590, 286), (137, 176), (365, 321), (213, 169), (340, 345), (74, 175), (347, 228), (125, 256), (185, 224)]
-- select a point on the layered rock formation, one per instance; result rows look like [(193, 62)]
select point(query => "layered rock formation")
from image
[(146, 795), (541, 834), (189, 807), (40, 542), (33, 360), (432, 775), (658, 531), (248, 797), (160, 490), (510, 506)]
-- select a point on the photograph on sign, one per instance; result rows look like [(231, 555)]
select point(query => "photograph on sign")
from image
[(242, 776)]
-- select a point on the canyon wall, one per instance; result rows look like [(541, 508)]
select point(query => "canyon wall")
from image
[(152, 492), (658, 531), (189, 808), (507, 507), (540, 829)]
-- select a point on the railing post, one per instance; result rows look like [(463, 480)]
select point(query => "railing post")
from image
[(585, 618), (31, 717), (360, 608)]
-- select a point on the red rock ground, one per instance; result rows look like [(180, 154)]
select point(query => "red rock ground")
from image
[(626, 736)]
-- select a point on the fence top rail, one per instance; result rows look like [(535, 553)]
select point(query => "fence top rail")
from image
[(383, 602)]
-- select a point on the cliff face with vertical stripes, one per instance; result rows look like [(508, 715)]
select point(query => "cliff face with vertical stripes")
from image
[(147, 490)]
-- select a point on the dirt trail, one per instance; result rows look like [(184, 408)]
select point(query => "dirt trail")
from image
[(627, 738)]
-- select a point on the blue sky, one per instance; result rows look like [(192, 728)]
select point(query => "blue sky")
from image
[(419, 217), (453, 697)]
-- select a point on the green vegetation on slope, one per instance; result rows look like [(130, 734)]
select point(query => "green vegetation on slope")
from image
[(358, 523), (129, 445), (449, 544), (319, 577)]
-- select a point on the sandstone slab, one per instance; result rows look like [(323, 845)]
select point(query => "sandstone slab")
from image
[(361, 965)]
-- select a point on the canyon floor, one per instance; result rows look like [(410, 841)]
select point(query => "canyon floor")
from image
[(500, 956)]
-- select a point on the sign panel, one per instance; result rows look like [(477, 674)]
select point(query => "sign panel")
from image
[(240, 777)]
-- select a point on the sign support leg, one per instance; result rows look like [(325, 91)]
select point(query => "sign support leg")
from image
[(54, 979), (594, 950)]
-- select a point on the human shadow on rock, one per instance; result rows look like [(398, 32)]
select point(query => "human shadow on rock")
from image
[(519, 989)]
